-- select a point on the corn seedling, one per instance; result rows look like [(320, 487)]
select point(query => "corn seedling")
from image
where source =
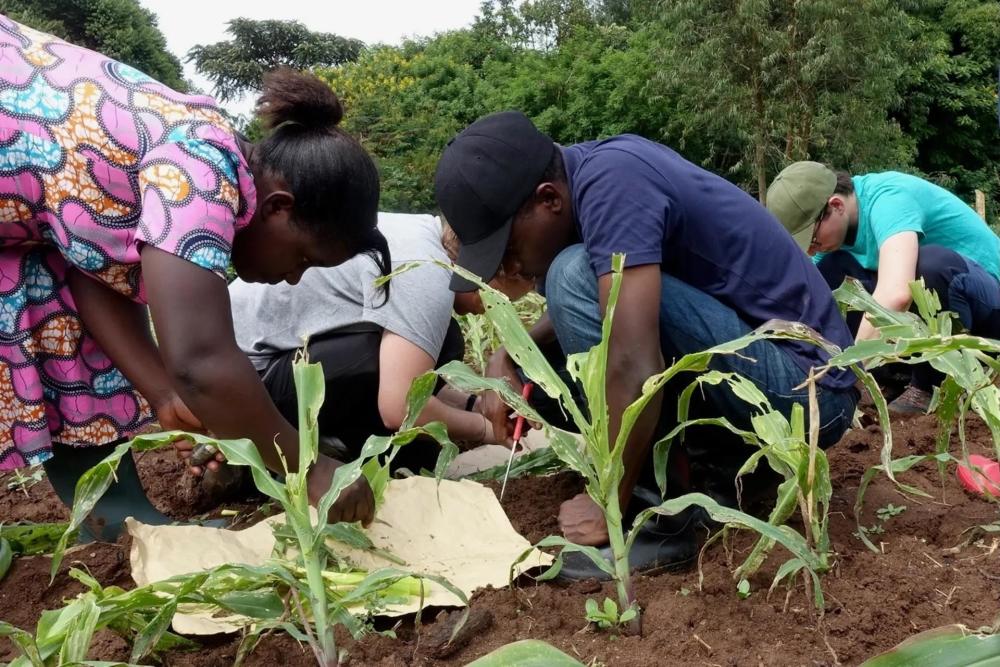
[(600, 459), (790, 452), (481, 336), (967, 362), (296, 589), (29, 539), (606, 615), (23, 481)]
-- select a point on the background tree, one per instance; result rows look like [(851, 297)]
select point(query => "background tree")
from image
[(237, 66), (120, 29), (791, 79), (950, 95)]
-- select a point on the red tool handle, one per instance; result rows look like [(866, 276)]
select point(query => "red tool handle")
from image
[(519, 425)]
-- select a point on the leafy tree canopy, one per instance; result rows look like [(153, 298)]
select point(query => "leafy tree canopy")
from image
[(238, 65), (120, 29)]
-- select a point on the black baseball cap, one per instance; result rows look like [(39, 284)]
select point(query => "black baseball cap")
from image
[(485, 174)]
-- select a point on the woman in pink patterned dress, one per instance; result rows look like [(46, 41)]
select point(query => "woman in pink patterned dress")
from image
[(117, 193)]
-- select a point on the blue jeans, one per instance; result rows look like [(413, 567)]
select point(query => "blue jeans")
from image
[(692, 321)]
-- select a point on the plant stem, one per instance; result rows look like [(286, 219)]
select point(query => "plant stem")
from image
[(623, 579), (317, 594), (813, 447)]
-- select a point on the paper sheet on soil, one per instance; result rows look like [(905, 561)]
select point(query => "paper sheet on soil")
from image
[(467, 539)]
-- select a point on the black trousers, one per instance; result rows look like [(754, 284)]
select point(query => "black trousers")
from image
[(350, 362), (962, 286)]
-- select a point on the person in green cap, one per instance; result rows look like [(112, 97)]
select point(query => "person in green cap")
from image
[(886, 230)]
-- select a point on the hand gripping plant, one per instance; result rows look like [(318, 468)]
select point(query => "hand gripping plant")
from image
[(304, 589), (599, 461)]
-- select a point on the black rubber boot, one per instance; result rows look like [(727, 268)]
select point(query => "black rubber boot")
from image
[(124, 498)]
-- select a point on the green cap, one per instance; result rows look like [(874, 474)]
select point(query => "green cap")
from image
[(797, 197)]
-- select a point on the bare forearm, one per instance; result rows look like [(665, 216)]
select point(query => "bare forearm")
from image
[(895, 298), (623, 389), (121, 328), (462, 425), (226, 393)]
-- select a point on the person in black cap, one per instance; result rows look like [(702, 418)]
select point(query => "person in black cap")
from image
[(704, 263)]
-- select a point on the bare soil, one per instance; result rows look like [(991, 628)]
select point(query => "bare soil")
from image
[(929, 573)]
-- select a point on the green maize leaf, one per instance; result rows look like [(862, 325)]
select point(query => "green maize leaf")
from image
[(80, 630), (538, 462), (378, 475), (89, 489), (148, 638), (310, 390), (788, 569), (29, 539), (460, 376), (695, 362), (526, 653), (25, 642), (524, 351), (948, 646), (564, 445), (568, 449), (244, 453), (822, 488), (417, 395), (378, 472), (661, 448), (263, 604), (391, 582), (352, 536), (745, 389), (854, 295), (883, 419), (783, 509), (6, 557), (375, 446), (449, 450), (590, 370), (710, 377), (783, 535), (516, 341), (567, 547)]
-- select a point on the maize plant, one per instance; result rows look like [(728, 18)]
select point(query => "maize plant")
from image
[(304, 589), (968, 363), (599, 461)]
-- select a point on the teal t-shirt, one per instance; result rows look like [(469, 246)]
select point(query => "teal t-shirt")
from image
[(891, 202)]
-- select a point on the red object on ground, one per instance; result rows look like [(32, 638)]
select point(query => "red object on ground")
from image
[(981, 476)]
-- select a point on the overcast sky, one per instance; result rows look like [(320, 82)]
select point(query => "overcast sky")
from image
[(188, 22)]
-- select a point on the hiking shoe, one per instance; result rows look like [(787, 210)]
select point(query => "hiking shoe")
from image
[(913, 401), (664, 544)]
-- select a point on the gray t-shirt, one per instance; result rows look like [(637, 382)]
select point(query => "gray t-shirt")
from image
[(272, 319)]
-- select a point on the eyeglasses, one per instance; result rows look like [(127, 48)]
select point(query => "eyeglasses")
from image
[(819, 219)]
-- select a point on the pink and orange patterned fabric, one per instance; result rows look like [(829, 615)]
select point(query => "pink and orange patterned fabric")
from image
[(96, 161)]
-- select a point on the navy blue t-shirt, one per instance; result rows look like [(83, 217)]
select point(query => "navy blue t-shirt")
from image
[(639, 197)]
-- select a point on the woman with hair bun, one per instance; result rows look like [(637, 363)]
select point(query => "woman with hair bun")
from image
[(118, 193)]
